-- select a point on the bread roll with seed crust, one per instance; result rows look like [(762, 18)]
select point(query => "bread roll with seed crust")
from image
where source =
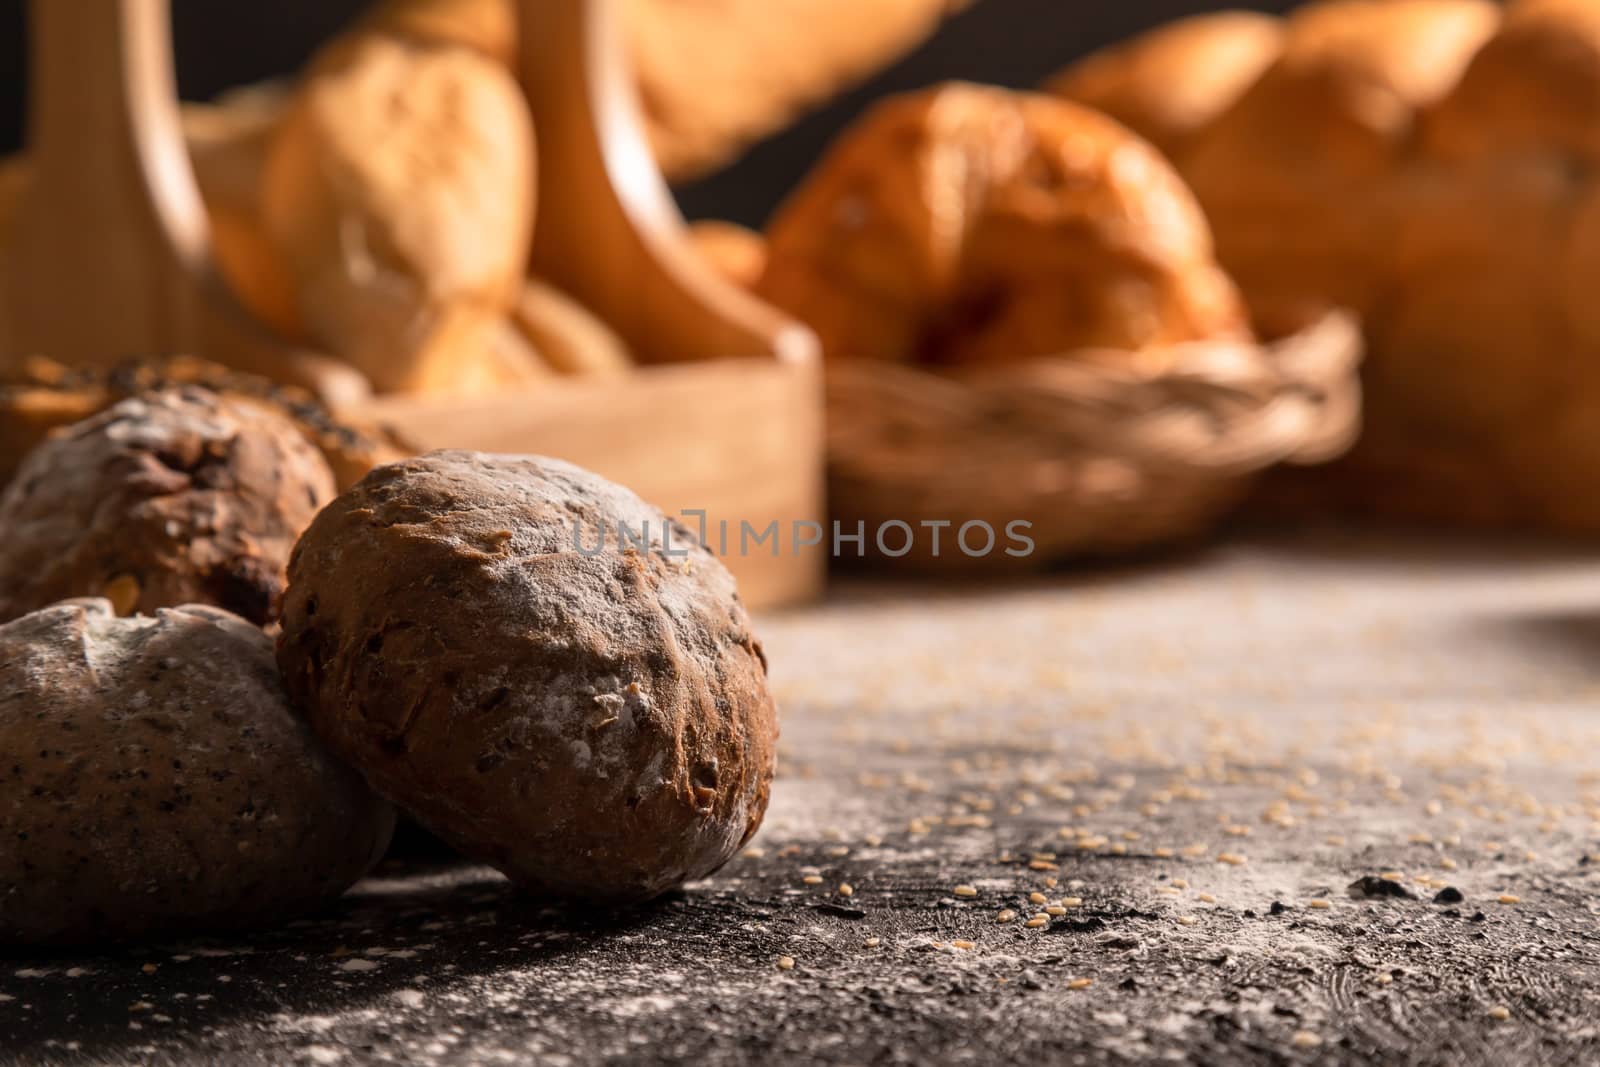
[(174, 497), (160, 784), (596, 726)]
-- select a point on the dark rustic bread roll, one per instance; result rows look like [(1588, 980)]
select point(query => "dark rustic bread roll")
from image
[(596, 727), (965, 225), (40, 395), (174, 497), (159, 783)]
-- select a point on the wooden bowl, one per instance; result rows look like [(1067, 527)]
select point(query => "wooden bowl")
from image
[(110, 256)]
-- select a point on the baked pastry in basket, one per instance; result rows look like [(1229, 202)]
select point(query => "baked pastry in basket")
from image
[(969, 225), (1026, 329)]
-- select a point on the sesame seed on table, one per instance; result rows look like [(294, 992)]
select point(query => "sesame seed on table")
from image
[(1324, 797)]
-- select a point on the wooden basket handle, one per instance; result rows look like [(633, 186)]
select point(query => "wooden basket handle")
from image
[(608, 229), (111, 254)]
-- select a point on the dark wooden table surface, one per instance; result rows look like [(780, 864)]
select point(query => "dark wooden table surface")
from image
[(1188, 763)]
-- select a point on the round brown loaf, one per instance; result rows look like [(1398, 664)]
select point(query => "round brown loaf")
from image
[(1170, 84), (968, 225), (596, 727), (173, 497), (159, 783)]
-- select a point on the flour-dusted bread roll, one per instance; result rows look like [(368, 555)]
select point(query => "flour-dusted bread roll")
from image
[(597, 726), (966, 225), (159, 783), (169, 498), (1297, 176), (1170, 84), (399, 189)]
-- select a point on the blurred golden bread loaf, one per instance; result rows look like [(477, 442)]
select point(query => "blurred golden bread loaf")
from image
[(712, 75), (1172, 82), (716, 75), (229, 140), (736, 253), (399, 189), (569, 338), (1534, 89), (1311, 149), (486, 26), (1431, 164), (966, 225)]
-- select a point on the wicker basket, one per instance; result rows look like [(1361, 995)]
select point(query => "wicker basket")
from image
[(1098, 455)]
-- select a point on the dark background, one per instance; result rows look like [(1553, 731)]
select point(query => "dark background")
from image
[(1007, 42)]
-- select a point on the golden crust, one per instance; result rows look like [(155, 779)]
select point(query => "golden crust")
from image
[(399, 189), (488, 27), (1170, 84), (736, 253), (569, 338), (967, 224), (715, 75), (1533, 89), (1312, 147)]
